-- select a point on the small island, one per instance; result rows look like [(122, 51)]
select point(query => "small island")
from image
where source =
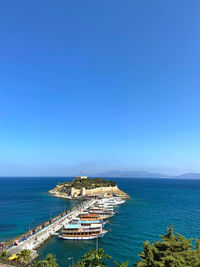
[(83, 187)]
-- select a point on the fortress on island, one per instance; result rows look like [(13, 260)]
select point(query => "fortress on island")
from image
[(83, 188)]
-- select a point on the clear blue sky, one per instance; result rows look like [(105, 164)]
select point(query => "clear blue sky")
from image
[(99, 85)]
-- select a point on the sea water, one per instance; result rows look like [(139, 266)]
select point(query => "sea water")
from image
[(154, 205)]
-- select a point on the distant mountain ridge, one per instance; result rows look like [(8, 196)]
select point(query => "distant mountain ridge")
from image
[(144, 174), (190, 175)]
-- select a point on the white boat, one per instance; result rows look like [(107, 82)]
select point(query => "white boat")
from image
[(105, 214), (82, 237), (102, 207), (112, 201), (79, 232), (86, 222), (93, 217)]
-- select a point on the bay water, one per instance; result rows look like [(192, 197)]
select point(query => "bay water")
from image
[(155, 204)]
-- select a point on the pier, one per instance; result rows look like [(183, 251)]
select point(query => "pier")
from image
[(37, 236)]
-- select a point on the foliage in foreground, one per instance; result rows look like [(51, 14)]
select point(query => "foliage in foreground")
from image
[(171, 251), (50, 261), (93, 258), (24, 256), (4, 255), (96, 259), (123, 264)]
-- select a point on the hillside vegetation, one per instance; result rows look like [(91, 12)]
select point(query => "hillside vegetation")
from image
[(88, 183)]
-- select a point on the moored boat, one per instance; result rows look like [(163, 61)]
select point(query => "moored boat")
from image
[(111, 201), (105, 214), (78, 232)]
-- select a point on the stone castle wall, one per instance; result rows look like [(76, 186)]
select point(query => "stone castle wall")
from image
[(109, 190)]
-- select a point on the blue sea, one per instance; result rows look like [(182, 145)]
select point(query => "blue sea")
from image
[(154, 205)]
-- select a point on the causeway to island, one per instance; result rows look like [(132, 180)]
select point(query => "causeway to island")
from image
[(97, 196)]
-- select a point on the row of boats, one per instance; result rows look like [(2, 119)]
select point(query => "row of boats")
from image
[(89, 224)]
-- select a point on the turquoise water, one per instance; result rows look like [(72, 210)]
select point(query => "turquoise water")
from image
[(154, 205)]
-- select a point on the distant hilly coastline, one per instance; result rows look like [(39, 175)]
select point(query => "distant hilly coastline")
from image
[(144, 174), (189, 176)]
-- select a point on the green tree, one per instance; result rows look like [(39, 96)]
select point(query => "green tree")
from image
[(93, 258), (36, 264), (50, 261), (4, 255), (24, 256), (171, 251), (123, 264)]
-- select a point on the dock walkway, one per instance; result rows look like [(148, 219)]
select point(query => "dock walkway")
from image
[(38, 236)]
